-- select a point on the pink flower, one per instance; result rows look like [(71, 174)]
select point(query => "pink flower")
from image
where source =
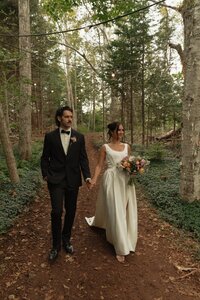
[(133, 165)]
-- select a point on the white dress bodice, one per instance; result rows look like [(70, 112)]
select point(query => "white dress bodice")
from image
[(113, 157)]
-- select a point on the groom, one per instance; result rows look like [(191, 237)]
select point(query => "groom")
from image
[(63, 160)]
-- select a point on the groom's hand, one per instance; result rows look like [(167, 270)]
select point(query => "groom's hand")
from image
[(88, 183), (92, 183)]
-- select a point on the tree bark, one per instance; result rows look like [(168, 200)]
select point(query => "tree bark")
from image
[(6, 110), (70, 94), (143, 95), (180, 51), (190, 165), (93, 104), (7, 148), (25, 81)]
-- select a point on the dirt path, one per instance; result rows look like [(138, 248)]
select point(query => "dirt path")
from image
[(155, 272)]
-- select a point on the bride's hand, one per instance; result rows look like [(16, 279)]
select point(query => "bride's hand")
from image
[(93, 183)]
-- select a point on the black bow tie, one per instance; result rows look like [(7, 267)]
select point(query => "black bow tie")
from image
[(64, 131)]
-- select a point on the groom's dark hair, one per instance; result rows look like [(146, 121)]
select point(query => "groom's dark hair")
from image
[(60, 112)]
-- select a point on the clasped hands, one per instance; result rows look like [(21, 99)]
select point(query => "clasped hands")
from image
[(90, 183)]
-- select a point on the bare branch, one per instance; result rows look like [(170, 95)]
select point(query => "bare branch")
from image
[(176, 8), (77, 51), (179, 49)]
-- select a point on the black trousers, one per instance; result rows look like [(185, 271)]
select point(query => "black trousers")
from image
[(61, 197)]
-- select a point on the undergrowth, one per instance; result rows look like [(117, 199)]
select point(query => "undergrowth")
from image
[(14, 197), (161, 183)]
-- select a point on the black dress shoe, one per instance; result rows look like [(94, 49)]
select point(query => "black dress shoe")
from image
[(68, 247), (53, 254)]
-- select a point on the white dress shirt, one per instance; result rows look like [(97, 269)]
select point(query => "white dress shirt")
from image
[(65, 139)]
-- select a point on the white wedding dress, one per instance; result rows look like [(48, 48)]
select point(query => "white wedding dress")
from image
[(116, 207)]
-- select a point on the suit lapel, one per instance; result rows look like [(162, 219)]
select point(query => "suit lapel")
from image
[(58, 140), (73, 138), (73, 134)]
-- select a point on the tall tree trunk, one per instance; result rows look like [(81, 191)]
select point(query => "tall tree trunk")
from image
[(103, 107), (70, 95), (93, 103), (131, 99), (190, 166), (25, 81), (41, 111), (143, 97), (115, 105), (147, 128), (6, 99), (7, 147)]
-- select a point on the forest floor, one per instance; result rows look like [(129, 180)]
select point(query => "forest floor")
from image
[(162, 268)]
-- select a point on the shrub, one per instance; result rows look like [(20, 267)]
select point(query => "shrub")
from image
[(156, 152), (13, 197)]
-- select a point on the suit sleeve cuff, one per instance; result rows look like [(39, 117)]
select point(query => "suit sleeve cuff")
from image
[(87, 179)]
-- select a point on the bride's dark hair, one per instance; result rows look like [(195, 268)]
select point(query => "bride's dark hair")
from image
[(114, 126)]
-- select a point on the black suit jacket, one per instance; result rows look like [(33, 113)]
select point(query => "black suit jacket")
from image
[(56, 165)]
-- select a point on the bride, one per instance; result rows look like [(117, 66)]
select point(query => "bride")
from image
[(116, 207)]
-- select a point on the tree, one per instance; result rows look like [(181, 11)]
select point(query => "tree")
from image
[(8, 62), (190, 165), (131, 41), (25, 80), (7, 147), (48, 86)]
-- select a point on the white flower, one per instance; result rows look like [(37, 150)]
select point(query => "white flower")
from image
[(131, 158), (73, 139)]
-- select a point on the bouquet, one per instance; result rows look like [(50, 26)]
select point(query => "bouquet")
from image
[(133, 165)]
